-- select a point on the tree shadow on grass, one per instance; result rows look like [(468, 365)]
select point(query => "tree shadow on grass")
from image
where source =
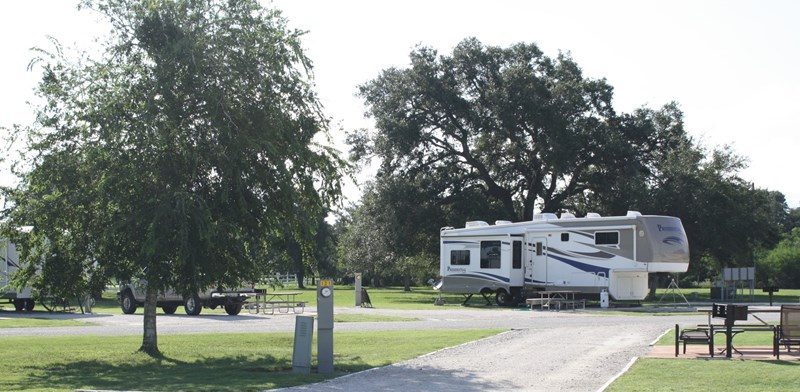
[(236, 373)]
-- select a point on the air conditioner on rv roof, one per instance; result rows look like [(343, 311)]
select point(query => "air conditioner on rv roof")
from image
[(567, 215), (592, 215), (502, 222), (476, 224)]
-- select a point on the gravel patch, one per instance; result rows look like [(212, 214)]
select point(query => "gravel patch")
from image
[(567, 357)]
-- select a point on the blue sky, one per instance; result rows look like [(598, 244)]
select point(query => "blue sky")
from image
[(732, 65)]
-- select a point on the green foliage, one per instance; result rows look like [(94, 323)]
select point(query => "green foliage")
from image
[(510, 125), (388, 235), (181, 154), (780, 266)]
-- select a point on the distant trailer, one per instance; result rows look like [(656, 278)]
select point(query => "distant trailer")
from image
[(586, 255), (21, 297)]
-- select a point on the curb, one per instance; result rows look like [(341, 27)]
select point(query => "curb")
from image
[(616, 376), (653, 343)]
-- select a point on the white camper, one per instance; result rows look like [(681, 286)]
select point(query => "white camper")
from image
[(21, 297), (587, 255)]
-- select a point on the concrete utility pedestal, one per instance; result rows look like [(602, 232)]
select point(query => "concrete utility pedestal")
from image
[(325, 325), (358, 289)]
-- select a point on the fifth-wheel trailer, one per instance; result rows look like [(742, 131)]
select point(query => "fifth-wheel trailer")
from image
[(21, 297), (586, 255)]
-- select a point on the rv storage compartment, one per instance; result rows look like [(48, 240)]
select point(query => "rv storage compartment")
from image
[(628, 285)]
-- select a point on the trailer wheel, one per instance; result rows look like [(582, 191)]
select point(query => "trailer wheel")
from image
[(29, 304), (192, 305), (503, 298), (128, 302), (169, 309), (19, 305), (233, 309)]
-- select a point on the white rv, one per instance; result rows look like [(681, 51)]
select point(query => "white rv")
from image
[(587, 255), (21, 297)]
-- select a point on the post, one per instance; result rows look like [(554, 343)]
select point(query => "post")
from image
[(730, 318), (325, 326), (358, 289), (677, 343), (303, 333)]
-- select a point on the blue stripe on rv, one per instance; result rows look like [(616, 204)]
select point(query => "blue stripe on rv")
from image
[(581, 266), (479, 276)]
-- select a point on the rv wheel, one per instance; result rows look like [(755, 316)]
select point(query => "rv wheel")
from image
[(29, 304), (19, 305), (169, 309), (503, 298), (128, 303), (192, 305), (233, 309)]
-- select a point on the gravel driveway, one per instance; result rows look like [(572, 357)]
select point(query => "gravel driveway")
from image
[(552, 358)]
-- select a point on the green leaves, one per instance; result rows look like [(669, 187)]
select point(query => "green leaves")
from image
[(177, 153), (523, 127)]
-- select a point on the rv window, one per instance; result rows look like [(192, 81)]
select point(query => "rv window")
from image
[(517, 261), (538, 249), (459, 257), (606, 238), (564, 236), (490, 254)]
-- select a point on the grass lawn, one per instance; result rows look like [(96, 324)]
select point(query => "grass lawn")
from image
[(358, 318), (655, 374), (652, 374), (218, 362), (28, 322), (704, 294)]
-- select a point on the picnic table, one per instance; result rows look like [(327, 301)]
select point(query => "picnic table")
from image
[(267, 302), (735, 329), (556, 299)]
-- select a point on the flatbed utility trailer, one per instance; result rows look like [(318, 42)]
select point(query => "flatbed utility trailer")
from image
[(131, 296)]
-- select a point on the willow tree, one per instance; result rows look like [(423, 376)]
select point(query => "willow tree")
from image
[(177, 152)]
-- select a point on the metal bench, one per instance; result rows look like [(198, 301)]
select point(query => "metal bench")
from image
[(788, 332), (694, 336)]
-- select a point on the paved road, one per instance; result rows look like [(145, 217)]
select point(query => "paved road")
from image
[(427, 319)]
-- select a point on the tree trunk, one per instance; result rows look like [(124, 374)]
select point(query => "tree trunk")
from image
[(300, 278), (150, 338), (296, 254), (406, 283), (654, 280)]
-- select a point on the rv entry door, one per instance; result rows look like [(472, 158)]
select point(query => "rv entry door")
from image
[(536, 271)]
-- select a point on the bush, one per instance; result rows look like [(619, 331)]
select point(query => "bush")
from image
[(781, 265)]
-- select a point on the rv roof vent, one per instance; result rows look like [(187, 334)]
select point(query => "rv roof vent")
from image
[(592, 215), (633, 214), (567, 215), (546, 216), (476, 224), (502, 222)]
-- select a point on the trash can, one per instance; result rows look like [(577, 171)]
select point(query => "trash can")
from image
[(86, 303), (604, 299)]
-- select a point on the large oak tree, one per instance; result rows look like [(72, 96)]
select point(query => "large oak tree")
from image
[(177, 153)]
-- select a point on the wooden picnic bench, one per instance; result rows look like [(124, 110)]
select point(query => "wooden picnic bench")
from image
[(267, 303), (560, 299)]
